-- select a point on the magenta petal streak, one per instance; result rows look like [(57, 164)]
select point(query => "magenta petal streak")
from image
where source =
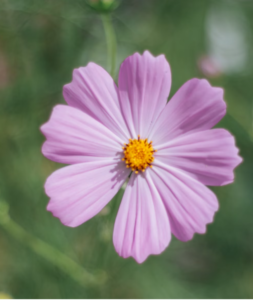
[(196, 106), (190, 204), (209, 156), (142, 226), (94, 92), (75, 137), (78, 192), (144, 86)]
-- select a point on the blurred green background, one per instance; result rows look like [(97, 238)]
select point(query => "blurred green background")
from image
[(41, 42)]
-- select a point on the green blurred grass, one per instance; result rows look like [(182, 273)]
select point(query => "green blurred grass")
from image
[(40, 44)]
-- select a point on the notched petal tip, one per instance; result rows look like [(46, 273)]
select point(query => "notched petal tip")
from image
[(89, 66), (237, 161), (44, 149), (141, 259), (205, 84), (62, 220), (43, 129)]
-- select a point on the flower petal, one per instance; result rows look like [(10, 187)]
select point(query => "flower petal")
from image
[(196, 106), (93, 91), (144, 86), (209, 156), (78, 192), (190, 204), (75, 137), (142, 225)]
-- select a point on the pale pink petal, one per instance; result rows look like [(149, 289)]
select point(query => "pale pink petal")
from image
[(93, 91), (209, 156), (196, 106), (190, 204), (75, 137), (142, 225), (78, 192), (144, 86)]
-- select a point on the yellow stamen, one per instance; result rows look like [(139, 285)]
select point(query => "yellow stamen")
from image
[(138, 154)]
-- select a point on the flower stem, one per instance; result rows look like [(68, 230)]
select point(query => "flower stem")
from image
[(111, 42), (51, 254)]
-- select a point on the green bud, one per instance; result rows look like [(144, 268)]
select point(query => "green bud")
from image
[(103, 6)]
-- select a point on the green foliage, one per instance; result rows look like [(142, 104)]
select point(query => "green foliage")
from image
[(41, 42)]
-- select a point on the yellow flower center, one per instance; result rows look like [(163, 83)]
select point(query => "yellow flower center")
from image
[(138, 154)]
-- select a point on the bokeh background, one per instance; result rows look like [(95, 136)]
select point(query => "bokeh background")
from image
[(41, 42)]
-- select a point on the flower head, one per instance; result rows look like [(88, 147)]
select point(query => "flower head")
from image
[(138, 154), (108, 133)]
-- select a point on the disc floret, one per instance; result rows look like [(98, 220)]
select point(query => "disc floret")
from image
[(138, 154)]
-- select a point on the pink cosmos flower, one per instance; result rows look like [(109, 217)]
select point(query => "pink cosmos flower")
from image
[(108, 133)]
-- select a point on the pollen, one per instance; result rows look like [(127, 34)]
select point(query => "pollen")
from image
[(138, 154)]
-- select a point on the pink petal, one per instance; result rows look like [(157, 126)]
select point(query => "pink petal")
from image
[(209, 156), (196, 106), (80, 191), (74, 137), (190, 205), (144, 86), (93, 91), (142, 226)]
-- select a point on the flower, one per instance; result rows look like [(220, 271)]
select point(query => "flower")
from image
[(208, 66), (108, 133)]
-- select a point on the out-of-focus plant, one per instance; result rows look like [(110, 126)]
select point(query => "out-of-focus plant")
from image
[(51, 254), (104, 8), (54, 256)]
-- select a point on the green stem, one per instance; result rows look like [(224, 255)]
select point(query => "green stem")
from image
[(111, 42), (54, 256)]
